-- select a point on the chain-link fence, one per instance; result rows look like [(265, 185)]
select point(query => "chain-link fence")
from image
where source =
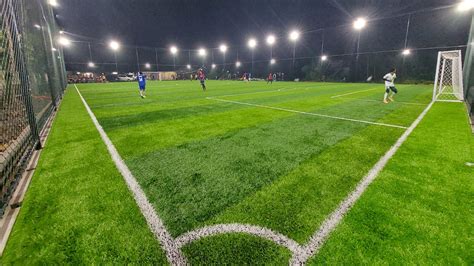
[(469, 73), (32, 80)]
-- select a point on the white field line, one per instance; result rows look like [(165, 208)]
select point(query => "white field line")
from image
[(395, 102), (306, 113), (300, 253), (173, 253), (258, 92), (350, 93), (265, 233), (319, 237)]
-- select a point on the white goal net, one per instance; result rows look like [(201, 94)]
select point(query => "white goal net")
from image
[(448, 85)]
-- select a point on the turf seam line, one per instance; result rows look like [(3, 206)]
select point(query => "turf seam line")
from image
[(307, 113), (173, 253), (350, 93), (332, 221), (262, 232)]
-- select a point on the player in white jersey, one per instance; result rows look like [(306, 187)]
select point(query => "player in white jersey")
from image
[(390, 89)]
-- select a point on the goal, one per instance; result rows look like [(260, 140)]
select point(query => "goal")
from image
[(448, 85)]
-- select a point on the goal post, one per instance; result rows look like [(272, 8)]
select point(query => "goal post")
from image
[(448, 85)]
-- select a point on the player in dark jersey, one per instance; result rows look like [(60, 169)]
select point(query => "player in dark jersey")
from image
[(202, 79), (141, 84), (270, 78)]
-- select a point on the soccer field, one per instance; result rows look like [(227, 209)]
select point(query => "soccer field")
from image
[(247, 173)]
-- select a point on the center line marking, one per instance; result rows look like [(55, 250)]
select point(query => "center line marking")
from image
[(306, 113)]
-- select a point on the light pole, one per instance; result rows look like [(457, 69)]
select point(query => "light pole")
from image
[(294, 36), (174, 51), (91, 62), (271, 41), (358, 25), (252, 43), (202, 53), (223, 49), (114, 45), (156, 59), (138, 59)]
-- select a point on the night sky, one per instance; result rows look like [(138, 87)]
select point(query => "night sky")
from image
[(192, 24)]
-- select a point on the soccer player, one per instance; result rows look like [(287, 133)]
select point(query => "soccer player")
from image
[(141, 84), (270, 78), (390, 89), (202, 79)]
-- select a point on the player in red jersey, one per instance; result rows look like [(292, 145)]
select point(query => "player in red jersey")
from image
[(202, 78), (270, 78)]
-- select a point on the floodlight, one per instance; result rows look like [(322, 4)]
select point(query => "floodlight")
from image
[(202, 52), (213, 65), (466, 5), (91, 64), (360, 23), (115, 73), (53, 49), (223, 48), (37, 26), (188, 66), (61, 32), (271, 39), (147, 65), (64, 41), (237, 64), (53, 2), (114, 45), (252, 43), (294, 35), (272, 61), (406, 52), (174, 50), (324, 58)]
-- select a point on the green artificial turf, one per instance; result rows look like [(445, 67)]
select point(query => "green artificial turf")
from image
[(78, 210), (419, 210), (202, 162)]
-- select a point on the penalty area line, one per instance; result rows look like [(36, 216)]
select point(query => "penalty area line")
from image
[(307, 113), (381, 102), (156, 225), (350, 93), (332, 221)]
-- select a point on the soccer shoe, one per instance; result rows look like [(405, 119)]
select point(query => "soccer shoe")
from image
[(391, 99), (385, 101)]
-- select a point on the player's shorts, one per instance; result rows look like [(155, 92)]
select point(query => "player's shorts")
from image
[(202, 81), (391, 88), (142, 87)]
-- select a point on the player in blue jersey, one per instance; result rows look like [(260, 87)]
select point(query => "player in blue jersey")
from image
[(141, 84)]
